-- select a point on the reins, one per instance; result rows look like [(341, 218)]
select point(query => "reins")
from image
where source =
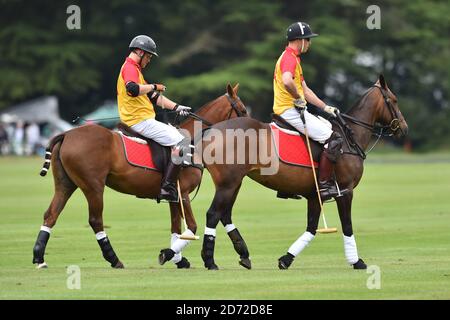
[(376, 129)]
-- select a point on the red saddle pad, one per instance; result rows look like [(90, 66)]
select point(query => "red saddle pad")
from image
[(290, 147), (138, 154)]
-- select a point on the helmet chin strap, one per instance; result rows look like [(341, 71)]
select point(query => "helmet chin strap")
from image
[(141, 56), (303, 43)]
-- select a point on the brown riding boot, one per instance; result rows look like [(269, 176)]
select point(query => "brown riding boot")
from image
[(169, 189), (327, 186)]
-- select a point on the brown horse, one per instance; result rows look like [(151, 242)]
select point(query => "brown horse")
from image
[(90, 157), (377, 106)]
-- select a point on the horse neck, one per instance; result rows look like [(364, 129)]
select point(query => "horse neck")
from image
[(365, 110), (212, 112)]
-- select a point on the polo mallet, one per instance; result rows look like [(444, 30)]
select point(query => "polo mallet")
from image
[(184, 237), (326, 229)]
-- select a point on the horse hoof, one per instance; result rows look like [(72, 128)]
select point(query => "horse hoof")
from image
[(165, 255), (183, 264), (119, 265), (360, 265), (213, 267), (42, 265), (285, 261), (246, 263)]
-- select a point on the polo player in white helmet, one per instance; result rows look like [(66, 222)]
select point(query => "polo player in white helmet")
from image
[(291, 93)]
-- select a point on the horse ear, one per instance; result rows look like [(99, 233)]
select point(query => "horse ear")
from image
[(230, 90), (236, 88), (382, 82)]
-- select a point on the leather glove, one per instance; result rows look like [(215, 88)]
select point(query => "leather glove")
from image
[(159, 87), (300, 103), (331, 110), (182, 110)]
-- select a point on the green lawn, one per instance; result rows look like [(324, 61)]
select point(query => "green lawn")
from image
[(401, 219)]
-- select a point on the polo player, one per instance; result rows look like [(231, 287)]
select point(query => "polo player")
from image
[(136, 99), (290, 96)]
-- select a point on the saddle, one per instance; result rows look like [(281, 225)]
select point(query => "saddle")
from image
[(160, 154), (316, 148)]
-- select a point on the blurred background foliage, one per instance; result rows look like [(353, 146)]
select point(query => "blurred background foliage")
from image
[(205, 44)]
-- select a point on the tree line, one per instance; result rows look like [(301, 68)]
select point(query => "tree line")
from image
[(205, 44)]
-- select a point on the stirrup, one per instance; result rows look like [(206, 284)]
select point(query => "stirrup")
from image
[(332, 192), (169, 197), (160, 199), (340, 192), (283, 195)]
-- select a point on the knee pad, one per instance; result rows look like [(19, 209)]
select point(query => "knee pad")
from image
[(184, 151), (183, 146)]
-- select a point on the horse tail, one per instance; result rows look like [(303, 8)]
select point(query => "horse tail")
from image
[(48, 152)]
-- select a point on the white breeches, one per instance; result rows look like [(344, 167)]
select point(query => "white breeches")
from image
[(162, 133), (319, 129)]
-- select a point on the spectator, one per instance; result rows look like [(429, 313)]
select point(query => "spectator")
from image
[(4, 140), (18, 138), (32, 135)]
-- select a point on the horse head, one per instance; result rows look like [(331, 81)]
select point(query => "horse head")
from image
[(235, 102), (225, 107), (388, 112)]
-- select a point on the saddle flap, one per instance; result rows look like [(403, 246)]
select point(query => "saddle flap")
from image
[(160, 154), (291, 147)]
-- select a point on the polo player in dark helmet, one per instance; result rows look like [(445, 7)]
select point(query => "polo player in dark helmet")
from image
[(136, 100), (291, 94)]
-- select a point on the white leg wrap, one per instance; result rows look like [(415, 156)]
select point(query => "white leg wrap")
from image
[(351, 253), (230, 227), (177, 257), (46, 229), (301, 243), (210, 231), (100, 235), (180, 244)]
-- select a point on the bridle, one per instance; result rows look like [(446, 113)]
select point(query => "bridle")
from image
[(377, 129), (384, 130), (234, 107), (395, 122)]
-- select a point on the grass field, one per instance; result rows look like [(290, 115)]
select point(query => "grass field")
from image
[(401, 219)]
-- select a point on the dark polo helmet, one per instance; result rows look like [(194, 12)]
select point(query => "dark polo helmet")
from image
[(144, 43), (299, 30)]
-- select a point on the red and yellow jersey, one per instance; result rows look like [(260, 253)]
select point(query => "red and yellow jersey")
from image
[(132, 110), (288, 61)]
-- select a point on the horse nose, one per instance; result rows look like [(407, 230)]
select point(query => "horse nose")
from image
[(406, 129)]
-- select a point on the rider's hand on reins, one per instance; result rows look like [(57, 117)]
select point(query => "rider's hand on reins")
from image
[(300, 106), (159, 87), (331, 110), (182, 110), (300, 103)]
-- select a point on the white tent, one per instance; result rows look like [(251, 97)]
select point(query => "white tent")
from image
[(40, 110)]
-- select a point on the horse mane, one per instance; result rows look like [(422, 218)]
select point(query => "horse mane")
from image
[(360, 102), (200, 109)]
